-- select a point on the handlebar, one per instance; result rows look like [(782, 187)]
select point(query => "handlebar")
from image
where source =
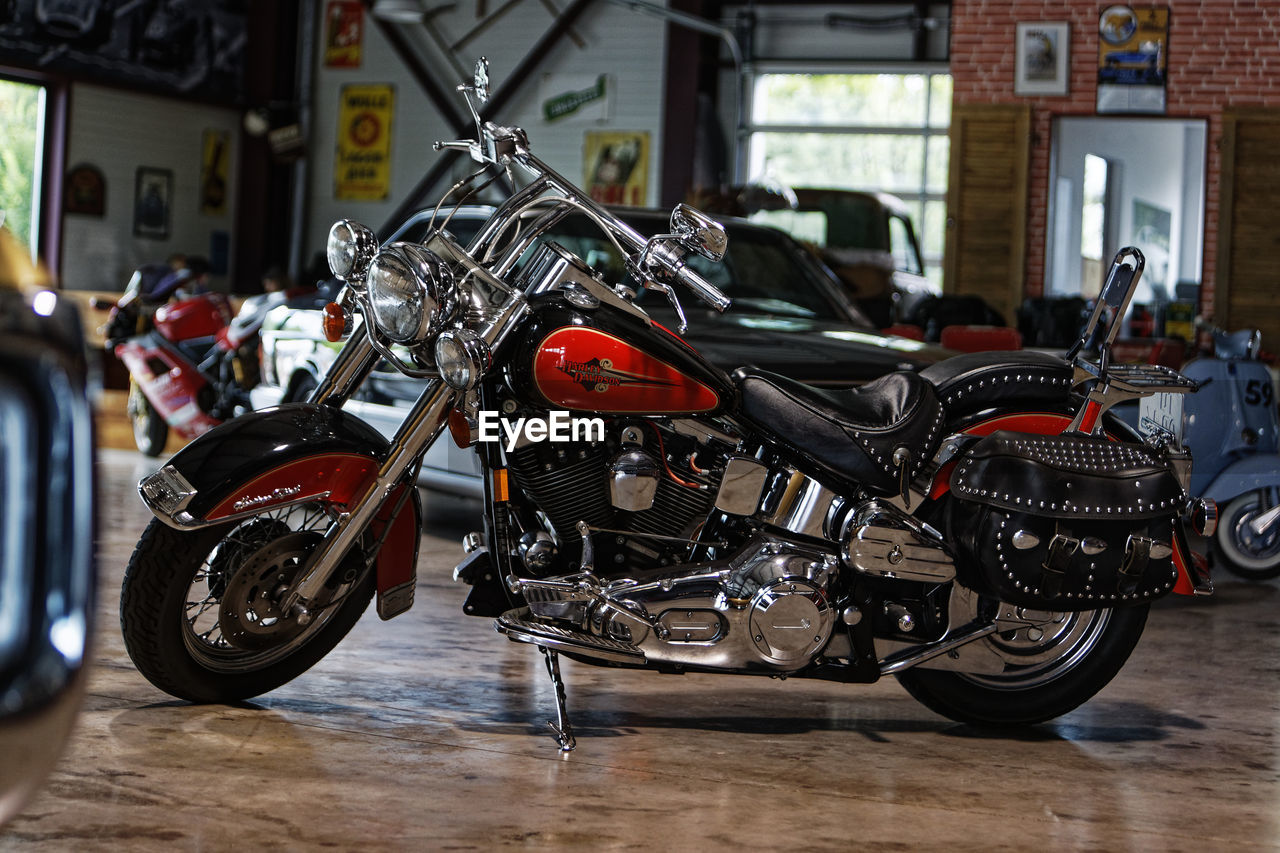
[(501, 146), (703, 289)]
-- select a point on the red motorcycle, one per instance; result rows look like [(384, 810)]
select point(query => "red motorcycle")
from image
[(983, 530), (190, 363)]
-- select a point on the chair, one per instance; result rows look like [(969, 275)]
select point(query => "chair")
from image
[(966, 338)]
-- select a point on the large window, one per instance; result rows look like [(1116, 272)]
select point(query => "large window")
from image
[(884, 132), (21, 149)]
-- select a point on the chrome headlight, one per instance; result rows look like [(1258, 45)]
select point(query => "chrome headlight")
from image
[(350, 248), (462, 357), (412, 292)]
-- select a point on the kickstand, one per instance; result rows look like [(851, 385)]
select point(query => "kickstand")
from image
[(562, 728)]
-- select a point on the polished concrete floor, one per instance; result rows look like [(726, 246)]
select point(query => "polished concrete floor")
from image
[(426, 732)]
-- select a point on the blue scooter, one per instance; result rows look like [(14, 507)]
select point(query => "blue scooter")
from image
[(1233, 430)]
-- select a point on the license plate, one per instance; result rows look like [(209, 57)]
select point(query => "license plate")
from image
[(1161, 413)]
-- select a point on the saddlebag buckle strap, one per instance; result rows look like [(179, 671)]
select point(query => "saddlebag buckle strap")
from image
[(1056, 562), (1137, 554)]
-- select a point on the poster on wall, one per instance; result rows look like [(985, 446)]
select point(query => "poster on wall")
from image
[(1042, 59), (616, 166), (170, 47), (152, 201), (343, 33), (362, 170), (86, 191), (1133, 61), (1152, 233), (213, 172)]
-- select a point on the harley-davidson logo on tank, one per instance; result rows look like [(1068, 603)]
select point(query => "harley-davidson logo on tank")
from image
[(590, 370)]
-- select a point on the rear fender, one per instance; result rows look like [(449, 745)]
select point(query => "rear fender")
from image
[(295, 453)]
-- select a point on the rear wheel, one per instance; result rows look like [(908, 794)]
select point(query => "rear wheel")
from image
[(202, 610), (1244, 551), (150, 432), (1049, 669)]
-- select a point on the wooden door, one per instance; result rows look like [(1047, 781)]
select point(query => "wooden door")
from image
[(987, 204), (1247, 283)]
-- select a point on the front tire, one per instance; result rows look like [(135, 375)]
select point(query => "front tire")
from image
[(1043, 677), (150, 432), (300, 389), (1243, 552), (200, 609)]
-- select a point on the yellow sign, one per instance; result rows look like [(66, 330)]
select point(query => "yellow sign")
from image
[(616, 166), (213, 172), (362, 170)]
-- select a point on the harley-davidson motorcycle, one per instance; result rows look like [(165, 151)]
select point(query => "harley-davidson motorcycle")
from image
[(985, 530)]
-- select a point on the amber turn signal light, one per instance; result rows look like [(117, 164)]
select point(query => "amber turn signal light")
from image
[(335, 322), (462, 428)]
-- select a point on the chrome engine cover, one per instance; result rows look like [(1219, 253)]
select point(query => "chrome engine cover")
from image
[(766, 608), (790, 621), (880, 540)]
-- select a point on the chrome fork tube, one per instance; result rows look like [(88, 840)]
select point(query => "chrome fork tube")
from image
[(415, 435), (346, 373)]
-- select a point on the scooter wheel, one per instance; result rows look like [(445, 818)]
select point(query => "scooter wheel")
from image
[(1243, 551), (150, 432)]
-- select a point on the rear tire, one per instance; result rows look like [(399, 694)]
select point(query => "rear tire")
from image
[(1242, 552), (1041, 681), (186, 592), (150, 432)]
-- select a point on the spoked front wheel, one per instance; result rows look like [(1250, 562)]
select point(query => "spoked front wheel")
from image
[(1246, 547), (202, 610), (1050, 667)]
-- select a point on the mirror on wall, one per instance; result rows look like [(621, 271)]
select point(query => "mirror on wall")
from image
[(1118, 182)]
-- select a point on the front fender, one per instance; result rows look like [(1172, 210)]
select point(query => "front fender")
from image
[(294, 453), (1249, 474)]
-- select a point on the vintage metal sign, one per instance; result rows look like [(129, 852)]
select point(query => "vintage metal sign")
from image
[(1133, 60), (362, 171)]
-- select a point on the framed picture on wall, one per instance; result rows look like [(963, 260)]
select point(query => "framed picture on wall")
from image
[(152, 201), (1043, 59), (86, 191)]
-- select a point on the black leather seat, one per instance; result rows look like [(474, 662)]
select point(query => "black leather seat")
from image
[(976, 381), (851, 433)]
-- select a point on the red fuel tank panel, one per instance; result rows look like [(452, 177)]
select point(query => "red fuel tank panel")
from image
[(590, 370), (198, 317)]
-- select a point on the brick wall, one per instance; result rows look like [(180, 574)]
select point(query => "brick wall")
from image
[(1221, 53)]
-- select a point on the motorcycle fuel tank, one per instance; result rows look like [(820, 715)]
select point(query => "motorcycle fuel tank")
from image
[(198, 317), (620, 370)]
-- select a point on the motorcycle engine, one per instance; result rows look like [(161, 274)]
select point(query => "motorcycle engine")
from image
[(624, 484)]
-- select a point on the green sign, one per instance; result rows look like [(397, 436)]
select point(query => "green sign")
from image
[(569, 103)]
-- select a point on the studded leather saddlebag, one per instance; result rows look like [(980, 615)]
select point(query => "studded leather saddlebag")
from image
[(1066, 522)]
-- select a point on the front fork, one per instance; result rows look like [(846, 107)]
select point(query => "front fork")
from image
[(420, 428)]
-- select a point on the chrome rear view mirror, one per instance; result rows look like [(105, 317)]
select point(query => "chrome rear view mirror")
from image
[(699, 232)]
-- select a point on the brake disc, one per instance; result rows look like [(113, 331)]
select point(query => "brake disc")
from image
[(250, 613), (246, 540)]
